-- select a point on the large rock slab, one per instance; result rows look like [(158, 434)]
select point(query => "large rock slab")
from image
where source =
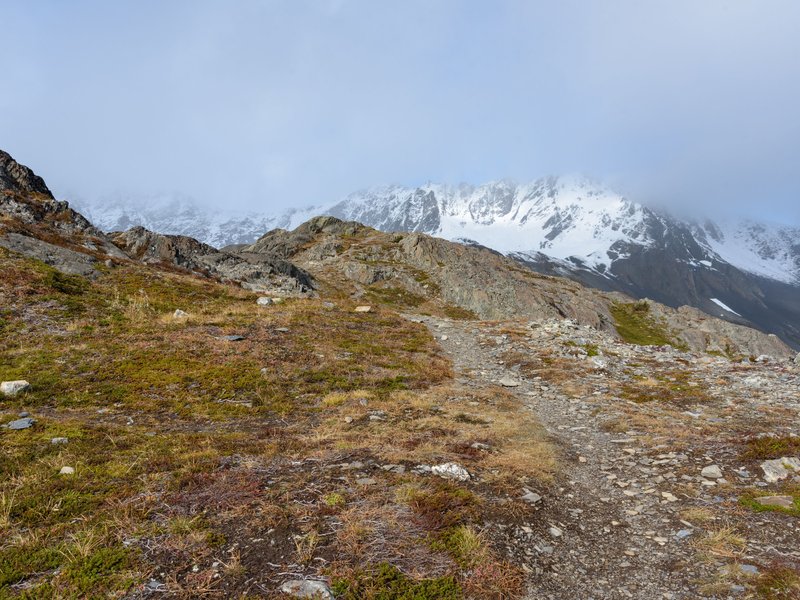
[(12, 388)]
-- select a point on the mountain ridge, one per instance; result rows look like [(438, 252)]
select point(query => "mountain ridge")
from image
[(742, 271)]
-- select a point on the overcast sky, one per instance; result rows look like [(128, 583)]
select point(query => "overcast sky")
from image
[(266, 105)]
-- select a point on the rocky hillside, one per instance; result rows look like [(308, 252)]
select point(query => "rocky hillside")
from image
[(413, 269), (432, 420), (745, 272)]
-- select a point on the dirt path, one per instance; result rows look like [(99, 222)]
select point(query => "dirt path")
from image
[(615, 526)]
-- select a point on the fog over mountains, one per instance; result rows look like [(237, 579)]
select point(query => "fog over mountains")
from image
[(741, 270)]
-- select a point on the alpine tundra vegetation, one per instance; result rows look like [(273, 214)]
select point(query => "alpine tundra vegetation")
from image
[(340, 412)]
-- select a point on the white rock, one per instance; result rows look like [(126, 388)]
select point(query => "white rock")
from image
[(711, 472), (307, 588), (555, 532), (509, 382), (363, 309), (56, 441), (12, 388), (443, 338), (264, 301), (530, 496), (67, 471), (797, 359), (779, 468), (451, 471), (179, 314)]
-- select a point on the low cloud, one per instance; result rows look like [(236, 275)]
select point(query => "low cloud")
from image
[(267, 105)]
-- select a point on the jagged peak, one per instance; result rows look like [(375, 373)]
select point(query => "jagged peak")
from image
[(16, 177)]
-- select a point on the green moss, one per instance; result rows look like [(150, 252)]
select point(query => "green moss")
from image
[(591, 349), (387, 582), (91, 572), (18, 562), (394, 297), (749, 499), (72, 285), (769, 447), (636, 325)]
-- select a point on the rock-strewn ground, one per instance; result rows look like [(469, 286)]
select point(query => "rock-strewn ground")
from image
[(632, 515)]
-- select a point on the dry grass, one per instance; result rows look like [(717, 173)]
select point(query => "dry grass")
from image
[(722, 542), (201, 443)]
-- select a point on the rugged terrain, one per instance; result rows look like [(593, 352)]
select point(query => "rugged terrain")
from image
[(739, 270), (359, 414)]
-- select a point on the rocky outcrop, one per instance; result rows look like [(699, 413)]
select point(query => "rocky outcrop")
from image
[(253, 270), (37, 225), (15, 177), (487, 283)]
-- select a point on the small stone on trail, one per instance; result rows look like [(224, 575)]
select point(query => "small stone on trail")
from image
[(443, 338), (59, 441), (509, 382), (12, 388), (307, 588), (363, 309), (451, 471), (780, 501), (711, 472), (179, 314), (21, 423), (264, 301), (67, 471), (555, 532)]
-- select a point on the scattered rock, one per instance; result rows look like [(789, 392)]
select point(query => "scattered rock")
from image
[(451, 471), (363, 309), (348, 420), (530, 496), (555, 532), (24, 414), (797, 359), (12, 388), (779, 468), (59, 441), (155, 586), (683, 534), (264, 301), (749, 569), (480, 446), (232, 338), (711, 472), (307, 588), (67, 471), (25, 423), (509, 382), (366, 481), (282, 329), (179, 314), (780, 501)]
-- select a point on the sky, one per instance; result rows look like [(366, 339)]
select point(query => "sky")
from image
[(265, 105)]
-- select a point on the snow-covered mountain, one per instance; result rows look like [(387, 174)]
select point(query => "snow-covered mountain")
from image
[(570, 226), (181, 215), (570, 219)]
